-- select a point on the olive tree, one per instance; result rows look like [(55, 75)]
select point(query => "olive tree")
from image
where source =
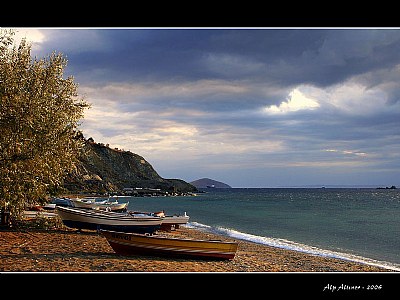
[(39, 125)]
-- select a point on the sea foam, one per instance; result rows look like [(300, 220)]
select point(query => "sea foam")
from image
[(290, 245)]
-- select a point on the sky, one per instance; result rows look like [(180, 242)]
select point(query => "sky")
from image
[(251, 107)]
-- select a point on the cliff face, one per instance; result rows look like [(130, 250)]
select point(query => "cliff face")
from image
[(102, 169)]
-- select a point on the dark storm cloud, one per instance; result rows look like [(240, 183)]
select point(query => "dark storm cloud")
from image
[(275, 59), (286, 57), (248, 99)]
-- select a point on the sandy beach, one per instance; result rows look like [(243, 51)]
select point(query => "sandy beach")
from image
[(67, 250), (255, 268)]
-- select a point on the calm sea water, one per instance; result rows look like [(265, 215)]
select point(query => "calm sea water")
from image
[(355, 224)]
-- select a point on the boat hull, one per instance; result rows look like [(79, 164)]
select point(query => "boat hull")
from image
[(173, 222), (170, 222), (118, 207), (82, 204), (96, 220), (133, 244), (103, 205)]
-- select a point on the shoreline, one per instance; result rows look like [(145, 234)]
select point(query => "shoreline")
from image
[(67, 250), (306, 249)]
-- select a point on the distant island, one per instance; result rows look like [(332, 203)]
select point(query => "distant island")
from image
[(205, 183), (393, 187)]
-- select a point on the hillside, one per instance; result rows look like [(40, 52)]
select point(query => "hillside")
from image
[(209, 183), (102, 169)]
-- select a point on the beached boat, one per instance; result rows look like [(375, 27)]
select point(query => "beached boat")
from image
[(92, 203), (170, 222), (173, 222), (62, 202), (83, 203), (132, 244), (92, 219), (113, 206)]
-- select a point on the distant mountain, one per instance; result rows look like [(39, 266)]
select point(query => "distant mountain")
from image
[(204, 183)]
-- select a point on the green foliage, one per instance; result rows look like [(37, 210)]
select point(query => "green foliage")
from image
[(39, 120), (40, 222)]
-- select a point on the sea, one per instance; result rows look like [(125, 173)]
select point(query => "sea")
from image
[(355, 224)]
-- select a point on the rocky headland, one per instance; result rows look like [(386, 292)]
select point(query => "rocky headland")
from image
[(105, 170)]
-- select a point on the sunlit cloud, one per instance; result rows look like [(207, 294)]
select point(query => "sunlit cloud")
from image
[(33, 36), (351, 97), (295, 102)]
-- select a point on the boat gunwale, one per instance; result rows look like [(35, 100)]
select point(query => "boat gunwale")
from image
[(104, 215), (102, 205), (175, 219)]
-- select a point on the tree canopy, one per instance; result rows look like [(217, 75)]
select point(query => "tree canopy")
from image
[(39, 124)]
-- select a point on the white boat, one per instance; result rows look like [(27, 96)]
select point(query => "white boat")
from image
[(92, 219), (92, 203), (83, 203), (113, 206), (174, 221), (170, 222)]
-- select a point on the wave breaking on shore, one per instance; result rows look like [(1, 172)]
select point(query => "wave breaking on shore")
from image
[(290, 245)]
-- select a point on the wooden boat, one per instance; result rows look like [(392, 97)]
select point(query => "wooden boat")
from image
[(170, 222), (92, 203), (84, 203), (113, 206), (131, 244), (81, 218)]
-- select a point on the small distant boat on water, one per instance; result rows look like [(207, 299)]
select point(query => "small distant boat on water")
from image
[(131, 244), (92, 219)]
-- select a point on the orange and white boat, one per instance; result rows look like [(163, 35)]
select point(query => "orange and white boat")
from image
[(125, 243)]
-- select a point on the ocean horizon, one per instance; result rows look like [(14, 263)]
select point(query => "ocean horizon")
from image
[(357, 224)]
